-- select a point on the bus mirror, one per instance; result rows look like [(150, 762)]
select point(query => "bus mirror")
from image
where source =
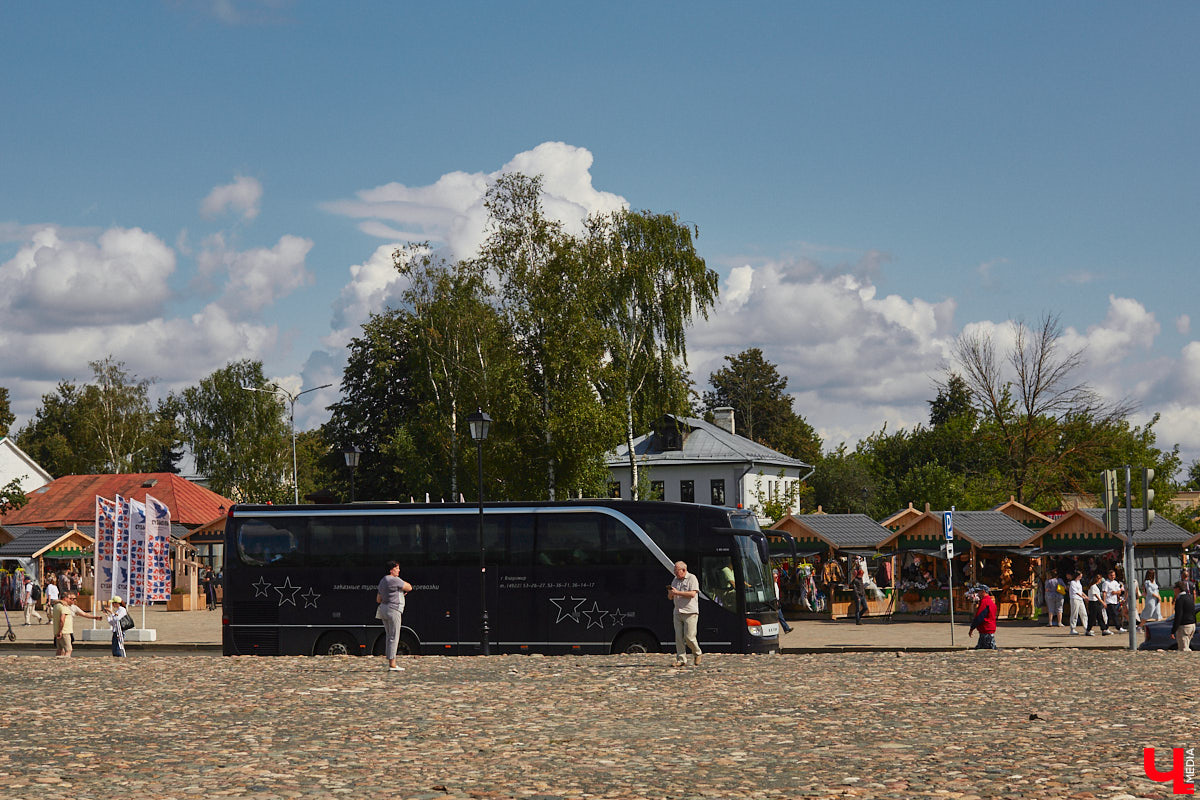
[(764, 549)]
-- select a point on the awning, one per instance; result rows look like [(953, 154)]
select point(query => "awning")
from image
[(1076, 551), (73, 552)]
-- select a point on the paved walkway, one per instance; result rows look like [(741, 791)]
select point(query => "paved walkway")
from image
[(1053, 723), (202, 630)]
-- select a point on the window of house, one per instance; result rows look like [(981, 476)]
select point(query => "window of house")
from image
[(658, 490), (717, 486), (614, 490), (687, 491)]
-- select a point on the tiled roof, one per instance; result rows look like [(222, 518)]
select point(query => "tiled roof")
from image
[(72, 499), (845, 530), (705, 442), (33, 540)]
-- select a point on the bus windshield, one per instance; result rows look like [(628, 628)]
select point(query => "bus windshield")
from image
[(759, 590)]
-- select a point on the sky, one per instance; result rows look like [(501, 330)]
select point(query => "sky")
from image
[(184, 184)]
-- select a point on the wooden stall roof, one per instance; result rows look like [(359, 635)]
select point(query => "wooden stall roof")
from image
[(839, 531), (1034, 520), (984, 529), (49, 543), (904, 517), (1082, 529), (211, 531)]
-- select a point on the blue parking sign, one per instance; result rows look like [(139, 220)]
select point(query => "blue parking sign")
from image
[(948, 522)]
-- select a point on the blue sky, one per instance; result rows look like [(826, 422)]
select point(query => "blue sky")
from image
[(188, 183)]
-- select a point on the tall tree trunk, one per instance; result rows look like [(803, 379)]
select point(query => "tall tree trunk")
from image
[(633, 471)]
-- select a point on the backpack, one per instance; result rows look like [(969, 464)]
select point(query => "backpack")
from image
[(36, 594), (126, 622)]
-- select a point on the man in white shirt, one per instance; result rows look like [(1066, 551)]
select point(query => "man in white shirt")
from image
[(51, 595), (1113, 591), (684, 592)]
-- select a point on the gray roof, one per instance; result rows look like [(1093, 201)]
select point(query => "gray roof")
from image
[(28, 539), (705, 443), (846, 530), (1162, 531), (991, 528)]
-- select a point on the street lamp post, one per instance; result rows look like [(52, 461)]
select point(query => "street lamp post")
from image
[(352, 453), (479, 423), (291, 398)]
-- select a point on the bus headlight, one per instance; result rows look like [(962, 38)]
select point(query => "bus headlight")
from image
[(756, 628)]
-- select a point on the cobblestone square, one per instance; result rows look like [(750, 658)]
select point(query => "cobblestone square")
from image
[(1008, 724)]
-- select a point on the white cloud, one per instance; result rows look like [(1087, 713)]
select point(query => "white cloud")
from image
[(242, 196), (255, 278), (853, 360), (1183, 324), (54, 281), (450, 211), (374, 285)]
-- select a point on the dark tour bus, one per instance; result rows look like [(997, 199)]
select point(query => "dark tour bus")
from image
[(567, 577)]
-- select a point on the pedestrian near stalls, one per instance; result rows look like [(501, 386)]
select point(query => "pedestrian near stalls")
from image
[(1077, 612), (1184, 623), (1153, 608), (30, 595), (114, 613), (63, 615), (1055, 594), (860, 595), (1096, 608), (50, 592), (1113, 590), (985, 618)]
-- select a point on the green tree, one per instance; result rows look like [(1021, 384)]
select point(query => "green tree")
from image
[(753, 387), (7, 418), (650, 284), (116, 413), (1027, 398), (843, 483), (11, 496), (547, 300), (240, 439), (56, 437)]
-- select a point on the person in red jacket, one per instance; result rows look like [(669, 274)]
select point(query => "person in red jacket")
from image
[(985, 618)]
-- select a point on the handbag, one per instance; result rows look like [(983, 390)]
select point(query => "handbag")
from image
[(381, 611), (126, 622), (1060, 589)]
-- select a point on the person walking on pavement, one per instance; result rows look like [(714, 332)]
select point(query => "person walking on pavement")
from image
[(985, 618), (390, 597), (860, 595), (209, 580), (1096, 608), (1077, 612), (1153, 608), (1184, 624), (64, 627), (50, 592), (684, 591), (30, 594), (1113, 591), (1055, 594)]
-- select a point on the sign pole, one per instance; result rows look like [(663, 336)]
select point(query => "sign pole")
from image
[(1130, 572), (948, 522)]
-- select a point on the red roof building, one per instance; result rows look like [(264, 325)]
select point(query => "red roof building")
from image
[(71, 499)]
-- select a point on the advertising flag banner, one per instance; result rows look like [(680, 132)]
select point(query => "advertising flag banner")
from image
[(137, 554), (120, 585), (106, 525), (158, 551)]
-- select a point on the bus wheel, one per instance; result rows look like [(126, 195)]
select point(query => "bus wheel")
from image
[(336, 644), (407, 646), (635, 642)]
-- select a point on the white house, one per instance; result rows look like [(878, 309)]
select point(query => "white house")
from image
[(692, 461), (14, 463)]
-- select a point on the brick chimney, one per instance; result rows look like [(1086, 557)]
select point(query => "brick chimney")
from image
[(723, 418)]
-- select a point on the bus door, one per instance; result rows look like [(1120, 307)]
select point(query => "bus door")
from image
[(513, 594), (453, 566), (720, 626)]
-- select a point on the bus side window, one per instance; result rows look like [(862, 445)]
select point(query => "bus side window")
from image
[(336, 542), (571, 540), (261, 543), (400, 538), (621, 546), (520, 541)]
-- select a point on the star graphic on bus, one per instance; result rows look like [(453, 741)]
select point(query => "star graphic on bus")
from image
[(310, 598), (595, 616), (260, 588), (285, 589), (573, 614), (619, 617)]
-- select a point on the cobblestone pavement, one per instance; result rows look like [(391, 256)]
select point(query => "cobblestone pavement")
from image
[(1010, 724)]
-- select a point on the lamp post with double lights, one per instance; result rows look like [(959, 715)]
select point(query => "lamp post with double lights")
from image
[(352, 454), (291, 398), (479, 423)]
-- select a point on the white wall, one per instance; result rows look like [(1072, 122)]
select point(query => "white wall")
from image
[(12, 465), (740, 486)]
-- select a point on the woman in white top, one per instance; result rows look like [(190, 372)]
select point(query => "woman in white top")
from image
[(113, 613), (1153, 609)]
